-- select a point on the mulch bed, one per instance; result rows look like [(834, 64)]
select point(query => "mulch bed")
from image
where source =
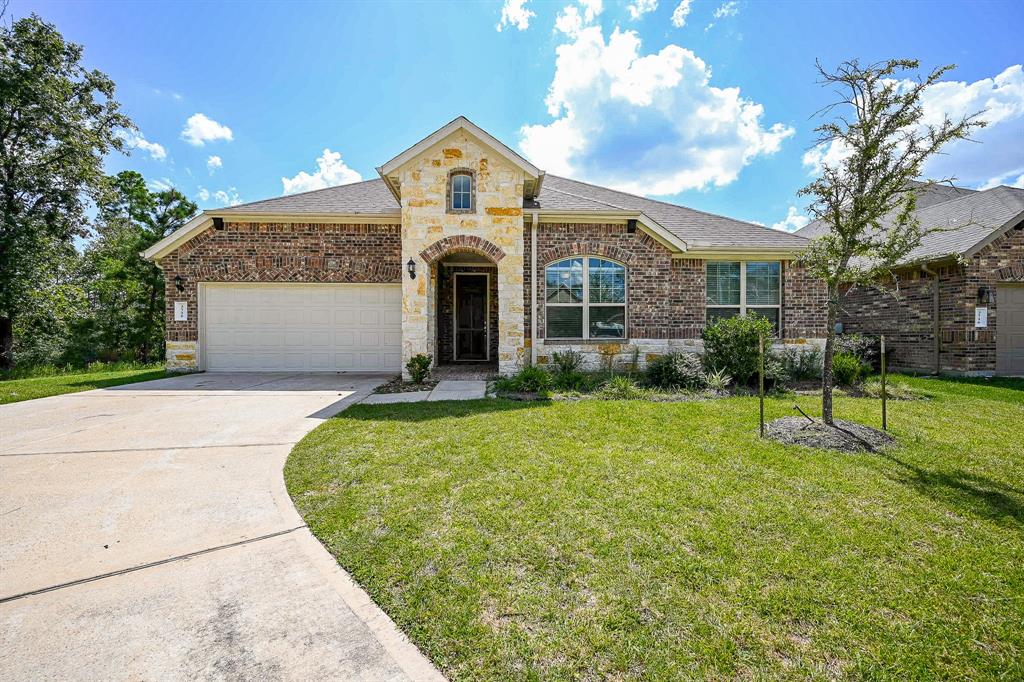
[(396, 385), (844, 436)]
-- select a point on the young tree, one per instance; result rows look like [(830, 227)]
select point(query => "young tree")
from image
[(57, 121), (129, 291), (867, 197)]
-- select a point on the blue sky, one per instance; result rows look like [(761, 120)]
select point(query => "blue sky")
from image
[(714, 114)]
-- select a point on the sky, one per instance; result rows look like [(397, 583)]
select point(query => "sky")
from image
[(706, 103)]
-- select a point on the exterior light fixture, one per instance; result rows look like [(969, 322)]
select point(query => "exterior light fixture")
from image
[(984, 295), (411, 267), (179, 283)]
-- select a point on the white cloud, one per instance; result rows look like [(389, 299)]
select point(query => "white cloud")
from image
[(569, 21), (1000, 154), (200, 129), (214, 163), (160, 184), (228, 197), (650, 124), (591, 9), (1014, 178), (723, 11), (793, 221), (514, 13), (331, 171), (136, 140), (638, 8), (682, 11)]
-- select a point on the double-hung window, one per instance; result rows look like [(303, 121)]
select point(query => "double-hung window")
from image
[(585, 298), (744, 288), (461, 192)]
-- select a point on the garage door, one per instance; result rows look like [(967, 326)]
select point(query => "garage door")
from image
[(302, 327), (1010, 329)]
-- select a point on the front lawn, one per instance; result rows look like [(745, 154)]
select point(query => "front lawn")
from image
[(637, 540), (15, 390)]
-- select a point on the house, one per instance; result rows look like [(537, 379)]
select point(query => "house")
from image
[(956, 303), (466, 251)]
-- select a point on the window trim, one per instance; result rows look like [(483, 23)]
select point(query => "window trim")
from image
[(586, 304), (450, 208), (742, 305)]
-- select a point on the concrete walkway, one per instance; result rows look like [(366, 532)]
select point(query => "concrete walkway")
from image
[(147, 534), (448, 389)]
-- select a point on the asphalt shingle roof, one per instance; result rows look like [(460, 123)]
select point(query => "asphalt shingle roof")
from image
[(963, 220), (696, 228)]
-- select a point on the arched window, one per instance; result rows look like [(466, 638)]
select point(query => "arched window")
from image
[(585, 298), (460, 192)]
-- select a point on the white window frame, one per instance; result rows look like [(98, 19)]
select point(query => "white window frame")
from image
[(743, 290), (452, 193), (586, 304)]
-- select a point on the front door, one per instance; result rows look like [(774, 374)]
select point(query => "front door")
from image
[(471, 316)]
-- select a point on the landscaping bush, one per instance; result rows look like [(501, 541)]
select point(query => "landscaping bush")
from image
[(574, 381), (419, 367), (566, 362), (801, 363), (731, 345), (848, 369), (776, 373), (674, 371), (717, 380), (622, 388), (526, 380), (864, 348)]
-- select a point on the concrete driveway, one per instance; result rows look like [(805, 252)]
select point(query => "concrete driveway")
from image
[(147, 534)]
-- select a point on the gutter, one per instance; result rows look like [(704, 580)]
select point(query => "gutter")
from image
[(937, 344)]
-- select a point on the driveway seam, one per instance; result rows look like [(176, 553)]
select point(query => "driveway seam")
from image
[(151, 564), (116, 450)]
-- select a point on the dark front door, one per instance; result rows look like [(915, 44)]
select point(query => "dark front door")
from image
[(470, 317)]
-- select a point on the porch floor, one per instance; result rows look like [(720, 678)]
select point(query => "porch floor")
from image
[(465, 371)]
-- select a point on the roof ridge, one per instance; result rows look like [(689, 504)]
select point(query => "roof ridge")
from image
[(973, 195), (299, 194), (669, 203), (580, 196)]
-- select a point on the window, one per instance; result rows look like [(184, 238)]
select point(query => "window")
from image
[(460, 192), (744, 288), (585, 299)]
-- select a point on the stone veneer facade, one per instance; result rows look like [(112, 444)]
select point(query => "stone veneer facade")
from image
[(429, 232), (903, 310)]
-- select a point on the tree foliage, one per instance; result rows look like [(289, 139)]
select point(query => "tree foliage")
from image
[(867, 198), (57, 122)]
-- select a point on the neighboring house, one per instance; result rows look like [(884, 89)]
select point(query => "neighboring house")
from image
[(955, 303), (466, 251)]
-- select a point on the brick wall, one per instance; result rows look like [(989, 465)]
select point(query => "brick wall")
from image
[(446, 309), (902, 310), (278, 252), (804, 300)]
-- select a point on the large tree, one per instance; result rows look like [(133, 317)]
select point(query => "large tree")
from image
[(879, 141), (57, 122), (128, 290)]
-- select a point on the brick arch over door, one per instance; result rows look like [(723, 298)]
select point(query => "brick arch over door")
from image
[(585, 248), (462, 243)]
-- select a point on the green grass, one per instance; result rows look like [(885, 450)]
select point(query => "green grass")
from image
[(73, 381), (634, 540)]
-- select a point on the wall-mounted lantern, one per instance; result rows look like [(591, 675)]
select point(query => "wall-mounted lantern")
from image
[(411, 267), (984, 296), (179, 283)]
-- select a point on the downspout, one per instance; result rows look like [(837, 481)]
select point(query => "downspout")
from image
[(534, 219), (937, 343)]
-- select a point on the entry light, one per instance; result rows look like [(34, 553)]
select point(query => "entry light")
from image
[(179, 283), (411, 267)]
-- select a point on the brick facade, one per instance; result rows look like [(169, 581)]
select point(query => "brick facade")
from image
[(903, 310)]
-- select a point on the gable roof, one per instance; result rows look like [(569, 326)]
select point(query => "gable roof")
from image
[(534, 175), (965, 221)]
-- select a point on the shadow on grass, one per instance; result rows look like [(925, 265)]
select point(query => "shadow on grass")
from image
[(441, 409), (119, 381), (964, 491)]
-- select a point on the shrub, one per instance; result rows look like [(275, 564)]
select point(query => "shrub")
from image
[(526, 380), (776, 374), (567, 362), (864, 348), (731, 345), (674, 371), (848, 368), (419, 367), (621, 388), (801, 363), (717, 380), (573, 381)]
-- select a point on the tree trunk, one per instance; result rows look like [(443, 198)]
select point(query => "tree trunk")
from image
[(148, 337), (827, 378), (6, 343)]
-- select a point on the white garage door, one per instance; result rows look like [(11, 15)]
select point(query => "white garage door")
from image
[(302, 327)]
